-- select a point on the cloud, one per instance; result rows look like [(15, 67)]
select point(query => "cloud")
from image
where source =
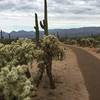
[(21, 12), (18, 5), (77, 6), (54, 6)]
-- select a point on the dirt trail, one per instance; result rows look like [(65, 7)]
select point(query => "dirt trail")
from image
[(90, 68), (69, 81)]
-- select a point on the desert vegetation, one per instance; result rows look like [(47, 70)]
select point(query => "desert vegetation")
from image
[(89, 41), (20, 56), (16, 62)]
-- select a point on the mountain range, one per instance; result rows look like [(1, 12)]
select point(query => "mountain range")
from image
[(74, 32)]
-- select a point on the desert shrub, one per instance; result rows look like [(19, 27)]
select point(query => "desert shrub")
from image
[(17, 53), (7, 41), (88, 42), (84, 42), (1, 45), (93, 42), (21, 53), (14, 85), (53, 46), (73, 42), (50, 49)]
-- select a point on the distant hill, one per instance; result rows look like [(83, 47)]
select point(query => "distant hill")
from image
[(19, 34), (77, 32), (74, 32)]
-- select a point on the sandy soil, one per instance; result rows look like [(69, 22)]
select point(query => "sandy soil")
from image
[(70, 83)]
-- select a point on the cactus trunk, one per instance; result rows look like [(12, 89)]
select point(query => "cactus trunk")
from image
[(9, 36), (1, 34), (44, 24), (36, 28), (46, 17)]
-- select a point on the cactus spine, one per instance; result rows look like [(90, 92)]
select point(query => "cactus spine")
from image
[(44, 24), (36, 27)]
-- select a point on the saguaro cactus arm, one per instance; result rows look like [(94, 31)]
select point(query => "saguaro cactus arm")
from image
[(35, 27), (42, 24)]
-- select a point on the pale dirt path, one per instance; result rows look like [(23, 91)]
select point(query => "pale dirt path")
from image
[(90, 68), (69, 81)]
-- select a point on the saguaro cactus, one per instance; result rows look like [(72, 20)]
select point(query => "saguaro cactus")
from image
[(1, 34), (44, 24), (36, 27), (9, 36), (58, 35)]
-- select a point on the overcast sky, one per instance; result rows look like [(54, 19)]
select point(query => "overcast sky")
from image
[(19, 14)]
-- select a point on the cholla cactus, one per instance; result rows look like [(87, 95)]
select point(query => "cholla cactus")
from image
[(72, 42), (17, 53), (1, 45), (49, 44), (23, 52), (85, 42), (14, 84), (50, 47), (88, 42)]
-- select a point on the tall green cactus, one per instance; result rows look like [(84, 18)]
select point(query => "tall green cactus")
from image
[(9, 36), (36, 27), (44, 24), (58, 35), (1, 34)]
